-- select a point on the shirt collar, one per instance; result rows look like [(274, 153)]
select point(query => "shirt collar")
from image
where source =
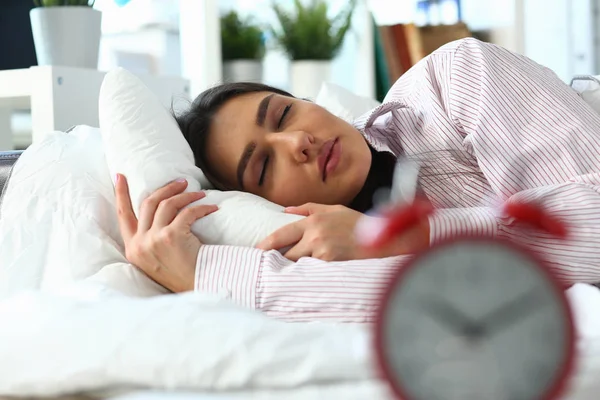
[(375, 137)]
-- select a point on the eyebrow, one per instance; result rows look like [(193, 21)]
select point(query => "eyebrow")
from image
[(261, 113), (243, 164)]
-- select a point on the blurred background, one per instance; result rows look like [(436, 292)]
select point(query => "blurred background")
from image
[(361, 45)]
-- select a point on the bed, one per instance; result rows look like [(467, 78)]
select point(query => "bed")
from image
[(70, 324), (93, 337), (90, 335), (7, 160)]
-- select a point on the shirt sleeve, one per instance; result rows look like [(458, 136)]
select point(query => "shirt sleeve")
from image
[(534, 139), (578, 204), (307, 290)]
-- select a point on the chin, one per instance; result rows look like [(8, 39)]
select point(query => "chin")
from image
[(344, 197)]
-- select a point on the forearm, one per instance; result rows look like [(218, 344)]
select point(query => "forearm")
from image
[(307, 290), (573, 260), (229, 270)]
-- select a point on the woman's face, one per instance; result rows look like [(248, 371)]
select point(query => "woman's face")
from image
[(287, 150)]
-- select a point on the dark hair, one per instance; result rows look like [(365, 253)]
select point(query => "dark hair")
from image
[(195, 122)]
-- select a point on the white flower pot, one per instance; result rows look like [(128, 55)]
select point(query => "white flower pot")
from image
[(66, 35), (307, 76), (243, 71)]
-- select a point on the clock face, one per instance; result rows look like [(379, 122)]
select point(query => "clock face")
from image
[(475, 320)]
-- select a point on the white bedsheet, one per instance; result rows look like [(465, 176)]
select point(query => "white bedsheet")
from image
[(369, 390), (75, 316), (91, 338)]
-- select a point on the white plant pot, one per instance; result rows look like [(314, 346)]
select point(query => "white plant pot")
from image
[(243, 71), (66, 35), (307, 76)]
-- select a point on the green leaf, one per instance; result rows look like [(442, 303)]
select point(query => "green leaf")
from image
[(241, 39), (308, 33)]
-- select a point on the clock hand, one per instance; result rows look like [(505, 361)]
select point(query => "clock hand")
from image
[(453, 318), (511, 312)]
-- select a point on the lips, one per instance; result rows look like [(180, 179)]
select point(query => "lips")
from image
[(329, 157)]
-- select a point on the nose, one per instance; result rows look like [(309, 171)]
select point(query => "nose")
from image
[(298, 144)]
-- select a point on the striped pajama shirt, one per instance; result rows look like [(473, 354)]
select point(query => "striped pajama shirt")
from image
[(494, 126)]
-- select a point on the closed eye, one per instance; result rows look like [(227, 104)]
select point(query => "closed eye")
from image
[(263, 172), (283, 114)]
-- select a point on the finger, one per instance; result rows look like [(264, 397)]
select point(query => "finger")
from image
[(168, 209), (300, 250), (307, 209), (190, 215), (150, 204), (284, 237), (125, 215)]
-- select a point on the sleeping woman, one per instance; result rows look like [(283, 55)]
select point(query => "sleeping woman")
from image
[(487, 126)]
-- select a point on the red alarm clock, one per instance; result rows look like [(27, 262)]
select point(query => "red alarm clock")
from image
[(474, 318)]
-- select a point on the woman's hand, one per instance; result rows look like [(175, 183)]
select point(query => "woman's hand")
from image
[(161, 243), (328, 233)]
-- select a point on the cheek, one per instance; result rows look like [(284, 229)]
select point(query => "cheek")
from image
[(294, 189), (291, 192)]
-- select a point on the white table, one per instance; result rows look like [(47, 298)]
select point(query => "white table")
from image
[(60, 97)]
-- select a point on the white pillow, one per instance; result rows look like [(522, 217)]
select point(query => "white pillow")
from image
[(59, 223), (343, 103), (142, 141), (589, 88)]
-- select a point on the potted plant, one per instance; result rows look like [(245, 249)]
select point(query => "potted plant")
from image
[(311, 40), (242, 49), (66, 32)]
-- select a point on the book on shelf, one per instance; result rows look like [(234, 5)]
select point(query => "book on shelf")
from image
[(405, 45)]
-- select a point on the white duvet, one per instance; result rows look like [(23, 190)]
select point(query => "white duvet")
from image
[(75, 316)]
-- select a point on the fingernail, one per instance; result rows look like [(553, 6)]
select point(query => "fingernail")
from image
[(181, 180), (117, 177)]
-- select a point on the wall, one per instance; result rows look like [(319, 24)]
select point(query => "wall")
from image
[(152, 50), (352, 69), (559, 34), (137, 13), (199, 29), (198, 26), (500, 19), (166, 37)]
